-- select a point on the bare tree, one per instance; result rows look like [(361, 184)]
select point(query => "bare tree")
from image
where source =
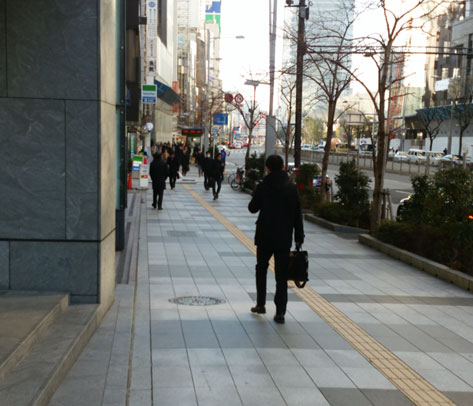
[(327, 66), (288, 91), (251, 115), (464, 111), (379, 48), (431, 120)]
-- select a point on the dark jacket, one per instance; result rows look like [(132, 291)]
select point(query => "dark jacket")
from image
[(277, 201), (159, 172), (173, 164), (207, 165)]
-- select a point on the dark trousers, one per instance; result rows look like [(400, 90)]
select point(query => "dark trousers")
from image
[(216, 185), (281, 261), (158, 192), (206, 181), (172, 181)]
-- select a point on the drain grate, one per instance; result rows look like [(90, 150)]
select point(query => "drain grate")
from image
[(196, 301)]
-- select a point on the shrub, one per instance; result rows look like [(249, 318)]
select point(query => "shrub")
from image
[(305, 174), (450, 244), (335, 212), (256, 162), (444, 199), (352, 199), (309, 197)]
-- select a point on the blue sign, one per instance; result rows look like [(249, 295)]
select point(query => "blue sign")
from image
[(215, 7), (221, 119)]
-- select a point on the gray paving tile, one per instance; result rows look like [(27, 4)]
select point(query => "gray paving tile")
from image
[(254, 376), (212, 396), (344, 397), (445, 380), (329, 377), (386, 397), (172, 377), (211, 376), (173, 396), (291, 376), (303, 396), (367, 378), (460, 398), (263, 396)]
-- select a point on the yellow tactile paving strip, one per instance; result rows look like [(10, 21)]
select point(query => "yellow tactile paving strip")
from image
[(409, 382)]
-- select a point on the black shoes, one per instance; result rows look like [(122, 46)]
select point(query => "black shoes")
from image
[(279, 318), (160, 208), (258, 309), (154, 206)]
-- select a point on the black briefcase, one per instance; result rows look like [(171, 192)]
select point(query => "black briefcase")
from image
[(299, 268)]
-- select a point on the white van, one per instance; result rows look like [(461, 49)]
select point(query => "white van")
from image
[(416, 156)]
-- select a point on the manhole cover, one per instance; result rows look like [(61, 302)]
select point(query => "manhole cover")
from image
[(197, 300)]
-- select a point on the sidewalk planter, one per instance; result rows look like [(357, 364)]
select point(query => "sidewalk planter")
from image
[(433, 268), (338, 228)]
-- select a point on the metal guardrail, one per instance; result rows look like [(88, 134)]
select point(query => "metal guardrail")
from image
[(366, 162)]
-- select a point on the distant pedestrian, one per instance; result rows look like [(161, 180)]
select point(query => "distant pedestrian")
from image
[(207, 167), (173, 165), (159, 173), (217, 178), (280, 215), (199, 161), (445, 151)]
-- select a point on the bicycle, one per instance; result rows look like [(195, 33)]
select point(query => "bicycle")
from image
[(239, 179)]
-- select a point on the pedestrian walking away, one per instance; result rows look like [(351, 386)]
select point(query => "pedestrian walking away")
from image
[(173, 165), (186, 154), (219, 167), (279, 219), (159, 173), (207, 167)]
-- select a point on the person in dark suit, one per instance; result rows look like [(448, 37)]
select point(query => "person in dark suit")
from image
[(207, 167), (218, 176), (159, 173), (280, 217), (173, 165)]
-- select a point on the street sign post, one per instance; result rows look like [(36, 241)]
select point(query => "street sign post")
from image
[(239, 98), (149, 94), (221, 119), (228, 97)]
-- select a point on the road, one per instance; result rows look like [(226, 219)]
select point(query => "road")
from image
[(399, 185)]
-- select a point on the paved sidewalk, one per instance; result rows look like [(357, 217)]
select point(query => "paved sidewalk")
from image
[(160, 353)]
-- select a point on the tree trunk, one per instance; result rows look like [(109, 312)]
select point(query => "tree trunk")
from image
[(328, 144), (249, 145), (460, 142)]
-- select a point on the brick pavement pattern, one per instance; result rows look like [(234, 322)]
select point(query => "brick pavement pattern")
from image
[(161, 353)]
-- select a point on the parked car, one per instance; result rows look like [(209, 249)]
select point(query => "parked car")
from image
[(416, 156), (400, 156), (305, 146), (450, 160), (404, 203)]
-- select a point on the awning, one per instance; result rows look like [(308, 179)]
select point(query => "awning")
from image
[(166, 94)]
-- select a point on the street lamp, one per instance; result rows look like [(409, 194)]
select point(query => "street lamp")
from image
[(207, 91)]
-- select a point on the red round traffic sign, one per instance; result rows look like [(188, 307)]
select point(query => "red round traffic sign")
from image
[(239, 98), (228, 97)]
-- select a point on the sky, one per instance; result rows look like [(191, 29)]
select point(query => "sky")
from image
[(246, 58)]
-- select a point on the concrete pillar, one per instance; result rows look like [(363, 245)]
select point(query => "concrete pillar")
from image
[(58, 143)]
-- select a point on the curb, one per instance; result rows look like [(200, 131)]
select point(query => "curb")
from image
[(443, 272), (333, 226)]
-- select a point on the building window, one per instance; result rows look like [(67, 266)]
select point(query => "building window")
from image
[(162, 21)]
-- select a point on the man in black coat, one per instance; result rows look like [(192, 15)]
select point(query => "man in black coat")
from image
[(207, 166), (277, 201), (159, 173), (173, 164)]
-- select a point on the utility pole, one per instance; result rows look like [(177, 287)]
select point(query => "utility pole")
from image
[(270, 140), (303, 14)]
